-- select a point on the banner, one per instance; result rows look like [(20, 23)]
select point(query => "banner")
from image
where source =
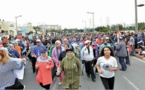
[(19, 73), (118, 33)]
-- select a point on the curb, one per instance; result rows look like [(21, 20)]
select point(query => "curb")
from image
[(139, 56)]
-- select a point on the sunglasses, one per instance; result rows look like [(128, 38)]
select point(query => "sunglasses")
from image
[(37, 42)]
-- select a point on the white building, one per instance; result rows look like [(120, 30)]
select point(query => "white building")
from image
[(43, 28), (28, 26), (8, 28)]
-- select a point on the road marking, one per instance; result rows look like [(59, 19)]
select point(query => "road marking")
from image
[(138, 59), (131, 83)]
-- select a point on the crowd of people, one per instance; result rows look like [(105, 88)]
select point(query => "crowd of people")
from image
[(68, 56)]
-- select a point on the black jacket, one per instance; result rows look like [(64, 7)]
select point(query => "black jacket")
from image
[(62, 55)]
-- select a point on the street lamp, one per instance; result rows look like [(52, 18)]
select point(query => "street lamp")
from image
[(136, 15), (16, 20), (140, 5), (92, 18)]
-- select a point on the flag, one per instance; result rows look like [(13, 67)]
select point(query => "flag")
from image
[(117, 29)]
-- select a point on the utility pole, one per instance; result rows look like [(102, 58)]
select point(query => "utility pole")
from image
[(136, 19), (108, 22), (16, 22), (92, 18)]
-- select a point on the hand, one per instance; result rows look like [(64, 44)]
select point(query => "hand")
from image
[(47, 67), (58, 69), (33, 55), (100, 71), (58, 73), (36, 66), (24, 60), (110, 69)]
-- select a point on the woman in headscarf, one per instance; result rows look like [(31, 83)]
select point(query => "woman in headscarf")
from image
[(72, 71), (55, 56)]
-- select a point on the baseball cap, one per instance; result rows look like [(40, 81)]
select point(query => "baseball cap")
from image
[(107, 37), (17, 40), (87, 41), (38, 40)]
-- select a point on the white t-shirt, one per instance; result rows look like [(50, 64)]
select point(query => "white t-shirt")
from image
[(104, 64)]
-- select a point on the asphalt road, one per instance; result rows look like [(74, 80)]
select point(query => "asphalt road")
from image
[(132, 79)]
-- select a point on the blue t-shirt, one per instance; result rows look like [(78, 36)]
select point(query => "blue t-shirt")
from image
[(37, 50)]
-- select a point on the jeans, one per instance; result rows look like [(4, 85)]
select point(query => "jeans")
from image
[(122, 63), (133, 50)]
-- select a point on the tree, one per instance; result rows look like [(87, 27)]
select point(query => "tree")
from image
[(47, 31), (101, 29), (113, 27), (120, 27), (36, 28), (29, 33), (141, 25)]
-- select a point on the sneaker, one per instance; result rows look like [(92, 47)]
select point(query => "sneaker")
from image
[(24, 87), (60, 83), (93, 80)]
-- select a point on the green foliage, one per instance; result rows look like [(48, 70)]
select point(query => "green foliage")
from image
[(103, 29), (141, 26), (72, 30), (36, 28), (29, 33)]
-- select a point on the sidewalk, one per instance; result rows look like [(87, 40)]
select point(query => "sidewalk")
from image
[(142, 57)]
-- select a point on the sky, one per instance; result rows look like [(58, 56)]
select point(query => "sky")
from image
[(72, 13)]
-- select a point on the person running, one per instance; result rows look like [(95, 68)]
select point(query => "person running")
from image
[(55, 56), (106, 65), (44, 66), (72, 71), (36, 52), (88, 58), (8, 79)]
